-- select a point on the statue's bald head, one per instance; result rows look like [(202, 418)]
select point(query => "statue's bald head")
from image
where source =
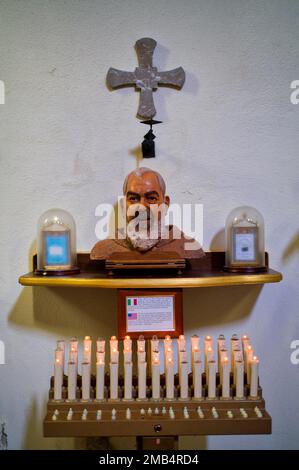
[(144, 173)]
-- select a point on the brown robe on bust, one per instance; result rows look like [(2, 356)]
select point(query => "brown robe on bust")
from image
[(104, 248)]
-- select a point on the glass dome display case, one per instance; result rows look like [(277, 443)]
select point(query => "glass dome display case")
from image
[(245, 246), (56, 244)]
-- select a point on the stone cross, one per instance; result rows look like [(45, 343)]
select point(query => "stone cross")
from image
[(146, 78)]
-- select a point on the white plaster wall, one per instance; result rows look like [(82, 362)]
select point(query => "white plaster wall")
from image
[(229, 137)]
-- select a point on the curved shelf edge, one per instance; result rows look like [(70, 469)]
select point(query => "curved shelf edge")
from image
[(178, 282)]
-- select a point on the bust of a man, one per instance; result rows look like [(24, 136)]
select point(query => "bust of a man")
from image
[(145, 206)]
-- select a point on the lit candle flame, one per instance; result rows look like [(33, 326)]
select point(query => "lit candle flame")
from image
[(113, 337), (210, 349), (127, 337), (208, 338), (87, 338)]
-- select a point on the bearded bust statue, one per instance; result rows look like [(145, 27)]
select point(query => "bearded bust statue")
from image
[(145, 204)]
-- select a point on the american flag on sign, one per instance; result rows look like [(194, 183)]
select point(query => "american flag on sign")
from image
[(132, 316)]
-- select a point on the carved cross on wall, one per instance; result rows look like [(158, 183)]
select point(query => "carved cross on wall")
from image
[(146, 78)]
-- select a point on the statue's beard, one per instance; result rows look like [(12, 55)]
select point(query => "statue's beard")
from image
[(145, 230), (144, 239), (140, 244)]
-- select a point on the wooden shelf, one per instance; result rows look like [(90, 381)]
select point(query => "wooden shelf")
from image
[(205, 272)]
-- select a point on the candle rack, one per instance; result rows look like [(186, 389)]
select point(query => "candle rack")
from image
[(161, 417)]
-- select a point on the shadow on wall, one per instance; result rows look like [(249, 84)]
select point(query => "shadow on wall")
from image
[(219, 306), (291, 249), (66, 312)]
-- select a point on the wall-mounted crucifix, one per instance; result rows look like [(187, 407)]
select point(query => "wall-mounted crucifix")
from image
[(146, 78)]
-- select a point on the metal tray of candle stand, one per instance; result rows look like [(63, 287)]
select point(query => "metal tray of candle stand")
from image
[(158, 423)]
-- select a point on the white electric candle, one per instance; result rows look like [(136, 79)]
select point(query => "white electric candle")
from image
[(254, 376), (223, 355), (61, 344), (141, 343), (85, 380), (167, 350), (59, 354), (209, 356), (194, 342), (168, 355), (234, 344), (183, 379), (167, 341), (245, 342), (72, 381), (127, 356), (113, 343), (73, 344), (181, 343), (128, 367), (142, 380), (220, 346), (101, 357), (100, 379), (141, 356), (87, 349), (248, 358), (238, 357), (225, 378), (195, 356), (239, 366), (197, 379), (156, 379), (113, 380), (183, 357), (101, 345), (58, 375), (156, 356), (127, 343), (208, 342), (194, 349), (73, 355), (212, 379), (114, 355), (154, 344), (169, 379)]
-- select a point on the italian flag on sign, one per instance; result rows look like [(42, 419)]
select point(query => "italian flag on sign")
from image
[(132, 302)]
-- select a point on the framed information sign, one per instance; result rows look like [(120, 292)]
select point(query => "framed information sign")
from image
[(150, 312)]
